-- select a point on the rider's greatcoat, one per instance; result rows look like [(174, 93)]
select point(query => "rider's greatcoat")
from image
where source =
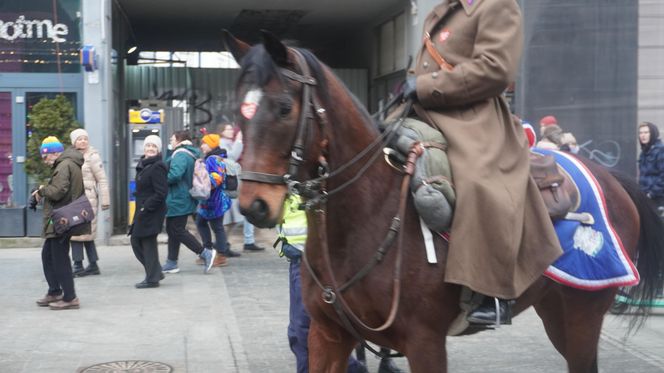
[(501, 237)]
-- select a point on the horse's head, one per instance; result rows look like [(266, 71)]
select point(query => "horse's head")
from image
[(276, 113)]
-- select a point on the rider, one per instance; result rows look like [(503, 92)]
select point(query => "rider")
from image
[(502, 239)]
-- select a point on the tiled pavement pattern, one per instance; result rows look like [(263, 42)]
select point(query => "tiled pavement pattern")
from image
[(234, 320)]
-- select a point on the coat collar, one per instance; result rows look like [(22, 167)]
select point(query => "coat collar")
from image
[(468, 5)]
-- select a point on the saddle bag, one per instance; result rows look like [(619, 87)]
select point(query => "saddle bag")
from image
[(431, 184), (544, 170), (67, 219)]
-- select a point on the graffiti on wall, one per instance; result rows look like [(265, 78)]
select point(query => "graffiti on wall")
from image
[(606, 153), (203, 108)]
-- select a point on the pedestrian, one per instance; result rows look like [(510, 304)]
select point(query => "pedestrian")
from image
[(96, 189), (65, 185), (293, 236), (151, 191), (211, 211), (232, 143), (180, 203), (502, 237), (554, 138), (550, 132), (651, 163)]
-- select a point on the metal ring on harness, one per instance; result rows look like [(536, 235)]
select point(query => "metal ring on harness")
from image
[(328, 295), (390, 153)]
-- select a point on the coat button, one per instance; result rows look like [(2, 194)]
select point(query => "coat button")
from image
[(425, 64), (434, 74)]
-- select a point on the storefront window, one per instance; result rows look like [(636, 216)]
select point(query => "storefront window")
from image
[(39, 36)]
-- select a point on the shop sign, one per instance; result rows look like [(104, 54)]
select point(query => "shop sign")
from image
[(22, 28)]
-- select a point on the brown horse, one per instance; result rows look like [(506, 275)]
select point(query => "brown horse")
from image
[(304, 130)]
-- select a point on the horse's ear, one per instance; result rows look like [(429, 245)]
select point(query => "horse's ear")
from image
[(237, 47), (275, 48)]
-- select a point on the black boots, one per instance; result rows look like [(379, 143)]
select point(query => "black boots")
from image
[(78, 269), (387, 365), (92, 269), (486, 313)]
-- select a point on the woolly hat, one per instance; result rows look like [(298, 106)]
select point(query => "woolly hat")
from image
[(75, 134), (154, 140), (212, 140), (548, 120), (51, 144)]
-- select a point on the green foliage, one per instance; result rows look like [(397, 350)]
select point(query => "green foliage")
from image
[(49, 117)]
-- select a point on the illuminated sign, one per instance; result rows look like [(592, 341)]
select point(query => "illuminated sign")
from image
[(31, 29), (145, 116)]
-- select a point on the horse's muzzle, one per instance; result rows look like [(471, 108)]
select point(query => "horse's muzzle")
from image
[(258, 214)]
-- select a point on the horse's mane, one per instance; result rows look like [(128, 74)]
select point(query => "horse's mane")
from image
[(258, 63)]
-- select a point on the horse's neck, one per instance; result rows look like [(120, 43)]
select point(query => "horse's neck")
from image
[(372, 199)]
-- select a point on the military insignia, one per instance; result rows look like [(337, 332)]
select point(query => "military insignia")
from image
[(250, 104), (444, 35), (588, 240)]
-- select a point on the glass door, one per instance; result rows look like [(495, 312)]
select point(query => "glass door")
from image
[(6, 155)]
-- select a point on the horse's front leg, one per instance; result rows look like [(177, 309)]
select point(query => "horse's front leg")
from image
[(329, 348)]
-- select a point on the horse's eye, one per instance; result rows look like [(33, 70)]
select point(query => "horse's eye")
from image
[(285, 108)]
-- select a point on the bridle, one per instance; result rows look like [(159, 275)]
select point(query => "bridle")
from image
[(312, 189), (316, 197)]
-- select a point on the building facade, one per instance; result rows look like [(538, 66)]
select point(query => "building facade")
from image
[(597, 66)]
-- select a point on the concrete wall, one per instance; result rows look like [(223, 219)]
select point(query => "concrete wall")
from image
[(580, 64), (97, 91), (651, 62)]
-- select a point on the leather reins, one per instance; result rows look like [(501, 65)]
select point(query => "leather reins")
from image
[(314, 191)]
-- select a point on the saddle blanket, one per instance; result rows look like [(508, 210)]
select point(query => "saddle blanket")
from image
[(594, 257)]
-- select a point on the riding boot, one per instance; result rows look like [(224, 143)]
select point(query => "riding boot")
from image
[(485, 314)]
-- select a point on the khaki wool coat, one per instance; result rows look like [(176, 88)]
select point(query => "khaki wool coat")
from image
[(502, 239), (96, 188)]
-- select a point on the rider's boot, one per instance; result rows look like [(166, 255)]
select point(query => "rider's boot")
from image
[(487, 312)]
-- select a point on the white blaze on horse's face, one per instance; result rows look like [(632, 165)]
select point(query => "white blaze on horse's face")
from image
[(249, 105)]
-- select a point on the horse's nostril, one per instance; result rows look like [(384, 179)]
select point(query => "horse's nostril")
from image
[(259, 208)]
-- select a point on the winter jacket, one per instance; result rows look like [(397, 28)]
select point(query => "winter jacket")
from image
[(218, 203), (151, 191), (65, 185), (651, 170), (96, 188), (180, 173), (233, 148)]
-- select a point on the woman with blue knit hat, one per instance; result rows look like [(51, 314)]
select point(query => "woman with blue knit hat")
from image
[(65, 185)]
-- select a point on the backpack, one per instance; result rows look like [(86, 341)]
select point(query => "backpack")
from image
[(200, 180), (233, 170)]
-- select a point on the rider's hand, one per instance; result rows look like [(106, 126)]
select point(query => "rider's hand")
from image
[(410, 88)]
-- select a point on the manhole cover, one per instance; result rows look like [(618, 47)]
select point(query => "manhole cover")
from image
[(129, 366)]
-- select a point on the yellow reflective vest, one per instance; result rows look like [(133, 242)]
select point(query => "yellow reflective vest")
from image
[(293, 228)]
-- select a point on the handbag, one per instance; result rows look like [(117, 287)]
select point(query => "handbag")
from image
[(72, 215)]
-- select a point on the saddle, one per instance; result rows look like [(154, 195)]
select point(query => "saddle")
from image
[(557, 189)]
